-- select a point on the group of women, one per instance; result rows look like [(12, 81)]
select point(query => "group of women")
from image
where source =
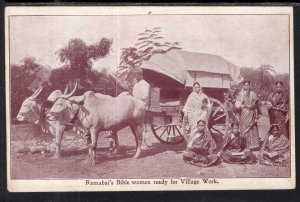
[(242, 144)]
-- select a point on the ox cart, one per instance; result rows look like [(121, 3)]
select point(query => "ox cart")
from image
[(171, 77)]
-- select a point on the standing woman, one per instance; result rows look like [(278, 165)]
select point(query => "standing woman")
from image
[(278, 107), (247, 103), (196, 107)]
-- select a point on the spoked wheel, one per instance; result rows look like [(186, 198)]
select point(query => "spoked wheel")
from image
[(218, 121), (168, 134)]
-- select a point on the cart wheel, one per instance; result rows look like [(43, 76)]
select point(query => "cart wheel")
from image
[(218, 121), (168, 134)]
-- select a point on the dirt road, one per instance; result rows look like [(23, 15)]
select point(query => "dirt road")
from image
[(157, 161)]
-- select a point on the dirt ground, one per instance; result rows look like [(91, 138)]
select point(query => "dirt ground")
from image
[(31, 158)]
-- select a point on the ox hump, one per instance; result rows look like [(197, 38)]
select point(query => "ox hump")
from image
[(89, 94)]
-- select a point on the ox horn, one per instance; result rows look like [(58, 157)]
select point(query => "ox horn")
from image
[(66, 89), (36, 93), (71, 93)]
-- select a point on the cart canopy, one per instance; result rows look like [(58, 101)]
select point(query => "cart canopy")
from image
[(187, 67)]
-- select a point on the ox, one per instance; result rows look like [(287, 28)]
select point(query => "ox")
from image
[(96, 114), (114, 143), (33, 111)]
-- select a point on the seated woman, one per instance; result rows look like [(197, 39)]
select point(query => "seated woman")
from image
[(233, 149), (200, 147), (275, 150)]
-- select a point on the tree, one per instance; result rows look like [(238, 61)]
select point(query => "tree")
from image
[(149, 43), (78, 56), (265, 78), (21, 78), (60, 77)]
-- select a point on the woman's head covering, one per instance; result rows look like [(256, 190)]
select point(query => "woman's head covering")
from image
[(235, 123), (196, 83), (201, 120), (279, 82), (274, 127), (246, 81)]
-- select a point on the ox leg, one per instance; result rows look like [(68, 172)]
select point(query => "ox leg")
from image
[(93, 147), (116, 142), (137, 130), (88, 142), (111, 141), (111, 145), (58, 138)]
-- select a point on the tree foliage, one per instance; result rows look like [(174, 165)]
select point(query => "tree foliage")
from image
[(60, 77), (263, 78), (149, 43), (79, 57), (93, 80)]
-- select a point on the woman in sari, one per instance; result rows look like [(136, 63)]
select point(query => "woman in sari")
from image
[(233, 148), (275, 150), (278, 108), (247, 103), (200, 147), (196, 107)]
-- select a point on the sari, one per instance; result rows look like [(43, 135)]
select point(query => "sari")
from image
[(232, 150), (201, 142), (193, 110), (279, 110), (248, 116), (275, 151), (200, 149)]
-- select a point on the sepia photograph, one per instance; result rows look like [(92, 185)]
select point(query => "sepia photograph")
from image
[(149, 98)]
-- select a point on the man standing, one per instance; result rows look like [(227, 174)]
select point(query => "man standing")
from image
[(141, 90)]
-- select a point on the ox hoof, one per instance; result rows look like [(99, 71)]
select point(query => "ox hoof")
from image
[(90, 162), (136, 156), (111, 149), (116, 151), (56, 156), (146, 147)]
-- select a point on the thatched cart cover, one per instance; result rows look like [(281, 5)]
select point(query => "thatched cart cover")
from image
[(187, 67)]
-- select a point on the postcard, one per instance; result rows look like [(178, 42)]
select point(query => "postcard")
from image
[(142, 98)]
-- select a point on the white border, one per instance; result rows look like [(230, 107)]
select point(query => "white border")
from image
[(79, 185)]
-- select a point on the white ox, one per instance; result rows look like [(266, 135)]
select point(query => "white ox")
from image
[(98, 114), (32, 111), (77, 126)]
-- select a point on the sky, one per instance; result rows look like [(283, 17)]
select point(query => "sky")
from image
[(244, 40)]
